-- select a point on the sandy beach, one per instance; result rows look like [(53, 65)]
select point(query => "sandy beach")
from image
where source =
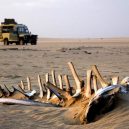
[(17, 62)]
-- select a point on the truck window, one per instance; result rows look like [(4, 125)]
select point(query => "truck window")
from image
[(7, 29), (0, 30), (23, 30)]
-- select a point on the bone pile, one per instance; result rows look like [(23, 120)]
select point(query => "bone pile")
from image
[(82, 95)]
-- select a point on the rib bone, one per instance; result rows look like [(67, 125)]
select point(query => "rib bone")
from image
[(115, 80), (22, 85), (88, 85), (58, 92), (40, 87), (47, 77), (53, 77), (5, 91), (60, 81), (76, 78), (66, 80), (99, 77), (29, 83), (95, 83), (48, 91)]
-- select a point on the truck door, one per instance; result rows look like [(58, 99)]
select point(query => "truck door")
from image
[(1, 34), (13, 35)]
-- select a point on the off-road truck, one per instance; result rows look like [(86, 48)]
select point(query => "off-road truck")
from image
[(12, 32)]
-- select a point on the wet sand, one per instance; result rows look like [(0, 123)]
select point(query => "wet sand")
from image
[(17, 62)]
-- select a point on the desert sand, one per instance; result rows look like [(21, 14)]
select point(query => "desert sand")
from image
[(17, 62)]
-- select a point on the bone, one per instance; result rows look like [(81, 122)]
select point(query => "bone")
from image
[(19, 89), (1, 92), (40, 87), (125, 81), (29, 84), (5, 91), (22, 85), (24, 102), (60, 81), (76, 78), (95, 83), (47, 77), (57, 91), (99, 77), (115, 80), (53, 77), (48, 91), (88, 85), (67, 83)]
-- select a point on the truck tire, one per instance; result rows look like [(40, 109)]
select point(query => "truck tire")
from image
[(33, 43), (21, 42), (6, 42)]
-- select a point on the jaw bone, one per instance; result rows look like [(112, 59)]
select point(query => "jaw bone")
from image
[(102, 102), (99, 77), (76, 78)]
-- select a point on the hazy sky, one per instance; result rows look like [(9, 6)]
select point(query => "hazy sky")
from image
[(70, 18)]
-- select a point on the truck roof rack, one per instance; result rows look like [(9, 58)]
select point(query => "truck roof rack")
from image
[(9, 21)]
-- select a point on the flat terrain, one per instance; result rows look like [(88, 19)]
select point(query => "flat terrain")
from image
[(17, 62)]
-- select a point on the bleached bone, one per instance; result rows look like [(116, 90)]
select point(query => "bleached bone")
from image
[(48, 91), (67, 83), (95, 83), (99, 77), (29, 84), (125, 81), (20, 90), (106, 95), (53, 77), (88, 85), (40, 87), (60, 81), (1, 92), (22, 85), (5, 91), (57, 91), (47, 77), (76, 78), (25, 102), (115, 80)]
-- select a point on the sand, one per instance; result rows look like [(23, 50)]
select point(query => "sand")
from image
[(17, 62)]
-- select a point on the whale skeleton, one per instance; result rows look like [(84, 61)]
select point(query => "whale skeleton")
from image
[(90, 95)]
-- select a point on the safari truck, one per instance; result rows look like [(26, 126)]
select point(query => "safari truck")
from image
[(12, 32)]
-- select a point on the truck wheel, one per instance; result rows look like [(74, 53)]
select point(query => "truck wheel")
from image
[(21, 42), (33, 43), (6, 42)]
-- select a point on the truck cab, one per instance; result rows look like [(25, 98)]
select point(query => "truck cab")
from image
[(11, 32)]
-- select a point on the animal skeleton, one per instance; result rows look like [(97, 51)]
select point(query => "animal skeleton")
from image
[(85, 96)]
